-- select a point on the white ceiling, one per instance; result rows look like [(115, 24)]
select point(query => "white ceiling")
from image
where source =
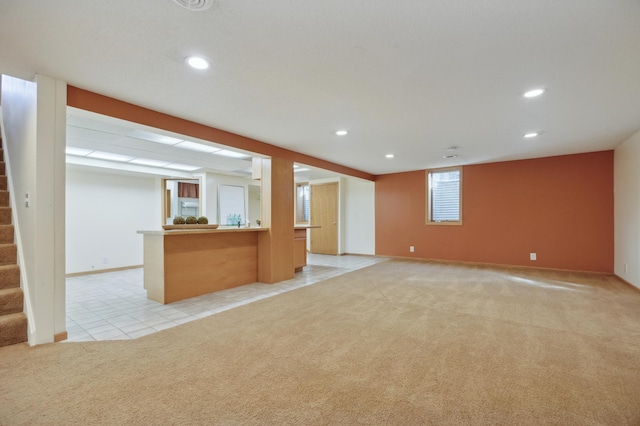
[(410, 77), (98, 133), (104, 134)]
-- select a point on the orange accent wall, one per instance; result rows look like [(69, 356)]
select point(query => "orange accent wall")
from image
[(558, 207), (94, 102)]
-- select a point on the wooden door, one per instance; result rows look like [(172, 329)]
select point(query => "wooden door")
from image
[(324, 213)]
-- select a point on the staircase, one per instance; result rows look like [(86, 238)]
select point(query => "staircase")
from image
[(13, 322)]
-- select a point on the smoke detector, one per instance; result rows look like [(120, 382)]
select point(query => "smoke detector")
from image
[(195, 5)]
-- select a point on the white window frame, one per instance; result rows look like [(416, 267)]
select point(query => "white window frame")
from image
[(429, 207)]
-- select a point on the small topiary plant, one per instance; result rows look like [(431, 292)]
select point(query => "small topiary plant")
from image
[(179, 220), (202, 220), (191, 220)]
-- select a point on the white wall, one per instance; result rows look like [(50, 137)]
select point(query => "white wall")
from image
[(34, 121), (104, 213), (359, 216), (627, 210)]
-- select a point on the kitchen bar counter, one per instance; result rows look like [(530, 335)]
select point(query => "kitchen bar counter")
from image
[(201, 231), (184, 263)]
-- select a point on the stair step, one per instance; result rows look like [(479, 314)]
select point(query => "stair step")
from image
[(8, 254), (3, 183), (11, 301), (13, 329), (9, 276), (6, 234), (4, 198), (1, 152), (3, 170), (5, 215)]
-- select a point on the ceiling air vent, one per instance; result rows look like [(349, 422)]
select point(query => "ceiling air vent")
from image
[(195, 4)]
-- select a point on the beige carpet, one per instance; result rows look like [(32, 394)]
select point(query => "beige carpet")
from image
[(401, 342)]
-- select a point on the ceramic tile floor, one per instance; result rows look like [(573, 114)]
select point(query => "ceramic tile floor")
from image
[(114, 305)]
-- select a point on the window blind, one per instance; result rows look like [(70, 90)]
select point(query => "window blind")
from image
[(445, 196)]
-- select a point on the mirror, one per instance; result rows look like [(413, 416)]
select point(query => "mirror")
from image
[(181, 198), (254, 205), (302, 202), (232, 210)]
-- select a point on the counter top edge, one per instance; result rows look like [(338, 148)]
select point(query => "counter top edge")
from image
[(200, 231)]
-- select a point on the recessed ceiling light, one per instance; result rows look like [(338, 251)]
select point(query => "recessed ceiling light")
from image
[(390, 155), (341, 132), (301, 169), (148, 162), (77, 151), (231, 154), (184, 167), (533, 93), (531, 135), (109, 156), (193, 146), (197, 62), (449, 156)]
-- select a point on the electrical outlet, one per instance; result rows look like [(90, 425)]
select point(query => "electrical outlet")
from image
[(411, 249), (532, 256), (105, 260)]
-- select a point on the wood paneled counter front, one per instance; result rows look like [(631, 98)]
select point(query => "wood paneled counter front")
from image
[(180, 264), (300, 246)]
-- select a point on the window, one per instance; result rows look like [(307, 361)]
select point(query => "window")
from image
[(188, 190), (444, 196), (302, 202), (181, 198)]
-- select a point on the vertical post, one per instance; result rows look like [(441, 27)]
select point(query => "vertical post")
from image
[(275, 247)]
